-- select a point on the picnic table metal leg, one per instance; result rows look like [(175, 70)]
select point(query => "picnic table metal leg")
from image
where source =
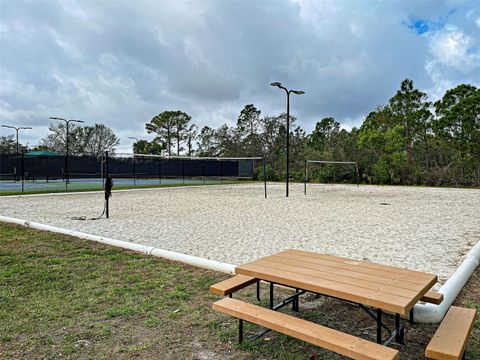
[(240, 331), (399, 330), (379, 326), (271, 295), (258, 290), (285, 302), (412, 321), (296, 302)]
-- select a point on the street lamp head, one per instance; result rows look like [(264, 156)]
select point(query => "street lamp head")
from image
[(298, 92), (67, 121), (25, 128), (276, 83)]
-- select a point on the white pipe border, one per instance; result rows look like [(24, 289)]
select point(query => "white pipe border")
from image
[(432, 314), (423, 313), (148, 250)]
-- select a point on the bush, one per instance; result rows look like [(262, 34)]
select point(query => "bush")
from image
[(380, 172)]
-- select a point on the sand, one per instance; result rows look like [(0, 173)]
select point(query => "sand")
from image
[(425, 229)]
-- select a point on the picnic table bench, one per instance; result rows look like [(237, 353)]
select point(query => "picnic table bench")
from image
[(375, 288), (319, 335), (229, 286), (451, 337)]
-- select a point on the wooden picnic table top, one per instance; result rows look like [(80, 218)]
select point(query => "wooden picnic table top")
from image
[(385, 287)]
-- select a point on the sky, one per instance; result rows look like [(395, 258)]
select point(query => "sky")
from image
[(122, 62)]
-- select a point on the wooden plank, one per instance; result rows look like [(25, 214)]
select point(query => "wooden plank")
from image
[(382, 287), (389, 288), (231, 285), (356, 294), (421, 293), (450, 339), (315, 334), (344, 260), (411, 275), (364, 263), (413, 297), (333, 265), (394, 280), (356, 266), (432, 297)]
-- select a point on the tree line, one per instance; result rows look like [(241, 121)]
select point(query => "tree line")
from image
[(83, 140), (410, 140)]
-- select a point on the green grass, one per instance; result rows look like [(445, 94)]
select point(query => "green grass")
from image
[(62, 297), (66, 297)]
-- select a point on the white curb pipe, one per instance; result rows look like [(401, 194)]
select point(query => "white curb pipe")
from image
[(423, 313), (148, 250), (431, 313)]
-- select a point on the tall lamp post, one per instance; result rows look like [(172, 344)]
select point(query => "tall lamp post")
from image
[(17, 129), (67, 122), (133, 138), (297, 92)]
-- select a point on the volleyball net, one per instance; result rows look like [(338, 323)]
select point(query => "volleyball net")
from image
[(26, 172)]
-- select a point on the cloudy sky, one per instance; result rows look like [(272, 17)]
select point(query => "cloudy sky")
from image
[(122, 62)]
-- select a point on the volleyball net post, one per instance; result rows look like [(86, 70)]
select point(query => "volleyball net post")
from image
[(107, 187), (265, 176), (305, 178), (134, 172), (356, 173), (23, 170), (354, 163)]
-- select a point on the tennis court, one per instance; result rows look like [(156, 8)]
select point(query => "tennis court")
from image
[(97, 184)]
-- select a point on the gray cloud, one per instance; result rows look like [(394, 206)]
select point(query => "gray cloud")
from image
[(121, 63)]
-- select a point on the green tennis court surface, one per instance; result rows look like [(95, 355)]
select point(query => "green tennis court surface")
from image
[(7, 187)]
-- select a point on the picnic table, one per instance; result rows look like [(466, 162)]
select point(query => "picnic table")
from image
[(370, 285), (374, 287)]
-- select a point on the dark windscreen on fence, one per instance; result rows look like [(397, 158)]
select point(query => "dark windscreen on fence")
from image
[(7, 167), (153, 167), (47, 171)]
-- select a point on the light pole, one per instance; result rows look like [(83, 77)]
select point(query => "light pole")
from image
[(66, 157), (297, 92), (133, 138), (17, 129)]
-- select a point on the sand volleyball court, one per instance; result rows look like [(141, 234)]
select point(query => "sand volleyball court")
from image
[(426, 229)]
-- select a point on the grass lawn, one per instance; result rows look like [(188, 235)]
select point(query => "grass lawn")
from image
[(62, 297)]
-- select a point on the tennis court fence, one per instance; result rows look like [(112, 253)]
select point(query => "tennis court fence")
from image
[(44, 171)]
